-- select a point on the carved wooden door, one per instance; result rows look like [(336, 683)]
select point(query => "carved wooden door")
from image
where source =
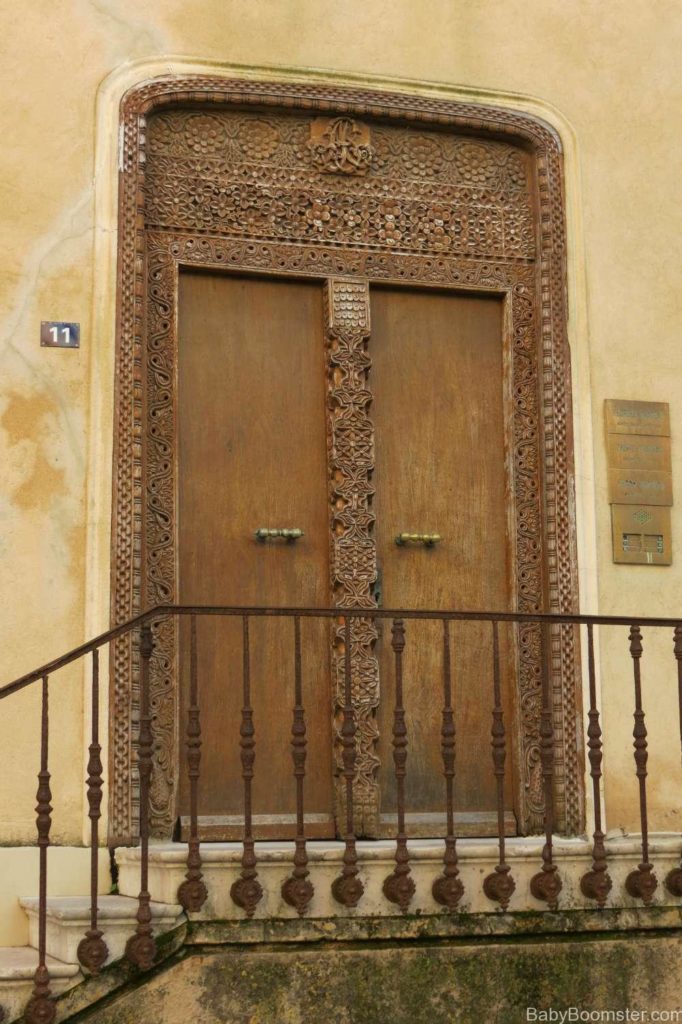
[(438, 383), (420, 247), (252, 454)]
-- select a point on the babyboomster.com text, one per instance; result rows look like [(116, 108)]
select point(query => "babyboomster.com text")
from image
[(575, 1014)]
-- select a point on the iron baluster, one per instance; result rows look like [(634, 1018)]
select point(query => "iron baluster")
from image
[(246, 891), (546, 884), (192, 892), (141, 947), (399, 887), (297, 889), (673, 879), (41, 1009), (595, 884), (499, 885), (92, 950), (347, 887), (447, 888), (640, 883)]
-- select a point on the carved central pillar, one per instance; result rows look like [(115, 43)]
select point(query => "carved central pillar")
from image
[(353, 553)]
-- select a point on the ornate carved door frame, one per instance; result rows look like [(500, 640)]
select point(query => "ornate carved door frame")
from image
[(348, 187)]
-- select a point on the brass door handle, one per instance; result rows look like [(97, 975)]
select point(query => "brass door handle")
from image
[(427, 539), (263, 533)]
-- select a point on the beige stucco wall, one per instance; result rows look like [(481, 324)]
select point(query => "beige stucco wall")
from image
[(605, 73)]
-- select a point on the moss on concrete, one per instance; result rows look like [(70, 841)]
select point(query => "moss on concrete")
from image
[(408, 983), (574, 925)]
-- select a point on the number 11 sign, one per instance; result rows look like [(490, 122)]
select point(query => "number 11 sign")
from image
[(57, 334)]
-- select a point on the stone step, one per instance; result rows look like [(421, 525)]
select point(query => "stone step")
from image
[(68, 919), (17, 967)]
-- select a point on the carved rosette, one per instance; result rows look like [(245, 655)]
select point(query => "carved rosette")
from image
[(353, 556), (246, 189)]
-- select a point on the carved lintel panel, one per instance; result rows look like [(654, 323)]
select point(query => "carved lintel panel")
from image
[(248, 176), (353, 553), (419, 190)]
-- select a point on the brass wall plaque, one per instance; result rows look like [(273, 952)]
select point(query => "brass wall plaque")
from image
[(638, 452), (641, 534), (640, 481), (640, 487), (624, 417)]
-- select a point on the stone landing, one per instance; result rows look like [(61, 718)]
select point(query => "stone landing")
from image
[(221, 865)]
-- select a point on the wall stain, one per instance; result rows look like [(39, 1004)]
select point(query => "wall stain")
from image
[(41, 486), (26, 421)]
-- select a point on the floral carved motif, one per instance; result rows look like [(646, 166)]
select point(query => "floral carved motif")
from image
[(160, 519), (223, 185), (529, 547), (417, 192), (353, 554)]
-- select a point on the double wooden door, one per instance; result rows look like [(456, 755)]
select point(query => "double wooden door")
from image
[(254, 376)]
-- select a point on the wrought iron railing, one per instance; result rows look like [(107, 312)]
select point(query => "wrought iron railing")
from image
[(347, 889)]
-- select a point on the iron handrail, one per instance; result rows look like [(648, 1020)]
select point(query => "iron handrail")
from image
[(347, 888), (115, 632)]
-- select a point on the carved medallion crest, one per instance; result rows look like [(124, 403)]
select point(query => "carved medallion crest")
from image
[(339, 145)]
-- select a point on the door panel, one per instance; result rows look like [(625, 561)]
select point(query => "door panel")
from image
[(252, 453), (437, 381)]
